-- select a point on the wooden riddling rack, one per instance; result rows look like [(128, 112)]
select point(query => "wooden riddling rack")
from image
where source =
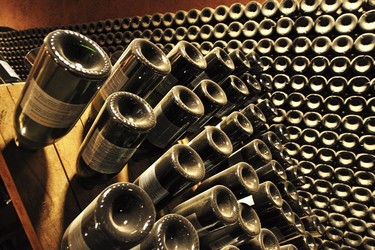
[(41, 184)]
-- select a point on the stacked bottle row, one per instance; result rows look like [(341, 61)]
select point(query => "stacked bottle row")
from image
[(207, 26), (324, 93), (233, 198)]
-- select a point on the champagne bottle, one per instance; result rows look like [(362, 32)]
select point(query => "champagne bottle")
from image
[(219, 66), (240, 178), (139, 70), (263, 241), (171, 231), (180, 108), (213, 98), (121, 126), (255, 153), (213, 146), (186, 63), (121, 216), (237, 127), (215, 208), (68, 71), (244, 229)]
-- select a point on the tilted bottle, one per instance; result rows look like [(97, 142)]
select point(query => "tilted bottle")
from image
[(219, 66), (177, 170), (186, 63), (171, 231), (244, 229), (213, 209), (121, 216), (68, 71), (180, 108), (240, 178), (120, 127), (263, 241), (139, 70), (213, 146)]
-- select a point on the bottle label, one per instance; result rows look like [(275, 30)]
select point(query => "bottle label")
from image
[(103, 156), (48, 111), (164, 131), (150, 183), (166, 85), (74, 235), (114, 83), (249, 200), (9, 69)]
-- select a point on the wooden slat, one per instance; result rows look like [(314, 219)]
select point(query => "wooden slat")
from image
[(40, 181)]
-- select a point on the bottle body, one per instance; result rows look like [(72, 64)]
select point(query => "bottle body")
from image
[(57, 92), (120, 127)]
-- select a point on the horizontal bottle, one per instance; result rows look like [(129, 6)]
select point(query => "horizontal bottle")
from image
[(364, 43), (338, 205), (366, 21), (219, 66), (304, 242), (234, 30), (324, 24), (309, 7), (341, 190), (240, 178), (303, 25), (265, 46), (120, 127), (365, 161), (171, 231), (253, 10), (289, 8), (324, 171), (337, 220), (46, 109), (321, 45), (236, 92), (213, 146), (356, 225), (210, 210), (180, 108), (244, 229), (140, 68), (264, 240), (282, 45), (364, 178), (270, 9), (351, 123), (352, 239), (357, 210), (184, 168), (221, 13), (255, 115), (123, 214), (206, 15), (255, 153), (213, 98), (237, 127), (250, 29), (346, 23), (313, 225), (272, 171), (319, 201)]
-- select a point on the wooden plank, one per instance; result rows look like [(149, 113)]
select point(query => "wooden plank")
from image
[(40, 181)]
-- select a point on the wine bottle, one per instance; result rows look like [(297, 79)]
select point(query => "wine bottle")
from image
[(272, 171), (321, 45), (184, 168), (283, 45), (221, 13), (139, 70), (171, 231), (236, 92), (121, 126), (270, 8), (266, 27), (186, 63), (303, 25), (180, 108), (244, 229), (304, 242), (237, 127), (219, 66), (253, 10), (52, 100), (255, 153), (289, 8), (121, 216), (250, 29), (215, 208), (346, 23), (264, 240), (240, 178), (241, 64), (364, 43), (213, 98), (213, 146)]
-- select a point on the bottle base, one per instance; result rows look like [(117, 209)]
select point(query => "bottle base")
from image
[(27, 144)]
